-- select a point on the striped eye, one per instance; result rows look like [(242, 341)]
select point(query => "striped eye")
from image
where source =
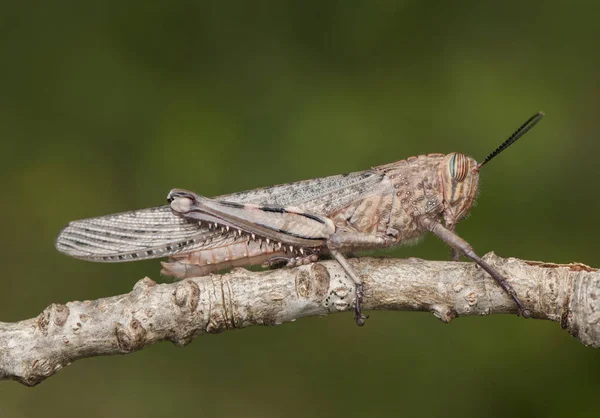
[(458, 166)]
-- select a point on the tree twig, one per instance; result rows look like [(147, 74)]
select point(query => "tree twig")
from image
[(34, 349)]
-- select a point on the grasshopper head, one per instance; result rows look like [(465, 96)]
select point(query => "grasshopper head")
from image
[(460, 178)]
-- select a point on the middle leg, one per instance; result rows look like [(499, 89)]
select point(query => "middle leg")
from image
[(349, 241)]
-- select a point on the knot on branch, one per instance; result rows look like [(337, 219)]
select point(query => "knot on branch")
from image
[(131, 337), (443, 312), (56, 314), (40, 370), (143, 285), (186, 295), (312, 283)]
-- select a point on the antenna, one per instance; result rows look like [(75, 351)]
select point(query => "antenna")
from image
[(523, 129)]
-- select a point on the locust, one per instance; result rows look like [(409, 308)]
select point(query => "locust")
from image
[(298, 223)]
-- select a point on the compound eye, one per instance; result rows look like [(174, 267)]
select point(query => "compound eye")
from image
[(459, 165)]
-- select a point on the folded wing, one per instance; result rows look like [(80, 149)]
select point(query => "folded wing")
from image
[(128, 236), (157, 232)]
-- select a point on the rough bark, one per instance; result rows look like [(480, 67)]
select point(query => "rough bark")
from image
[(34, 349)]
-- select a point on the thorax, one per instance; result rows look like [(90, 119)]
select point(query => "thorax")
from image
[(412, 190)]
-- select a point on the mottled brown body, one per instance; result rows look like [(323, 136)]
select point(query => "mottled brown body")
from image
[(388, 202), (385, 203)]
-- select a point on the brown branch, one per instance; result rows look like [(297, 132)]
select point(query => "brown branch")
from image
[(34, 349)]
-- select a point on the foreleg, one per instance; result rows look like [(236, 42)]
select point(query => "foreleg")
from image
[(458, 243)]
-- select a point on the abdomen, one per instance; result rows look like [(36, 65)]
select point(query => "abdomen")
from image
[(242, 253)]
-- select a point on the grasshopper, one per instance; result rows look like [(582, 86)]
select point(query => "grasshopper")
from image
[(298, 223)]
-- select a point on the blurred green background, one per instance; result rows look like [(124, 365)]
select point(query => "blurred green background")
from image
[(106, 106)]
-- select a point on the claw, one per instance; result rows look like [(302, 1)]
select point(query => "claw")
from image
[(359, 317), (525, 313)]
